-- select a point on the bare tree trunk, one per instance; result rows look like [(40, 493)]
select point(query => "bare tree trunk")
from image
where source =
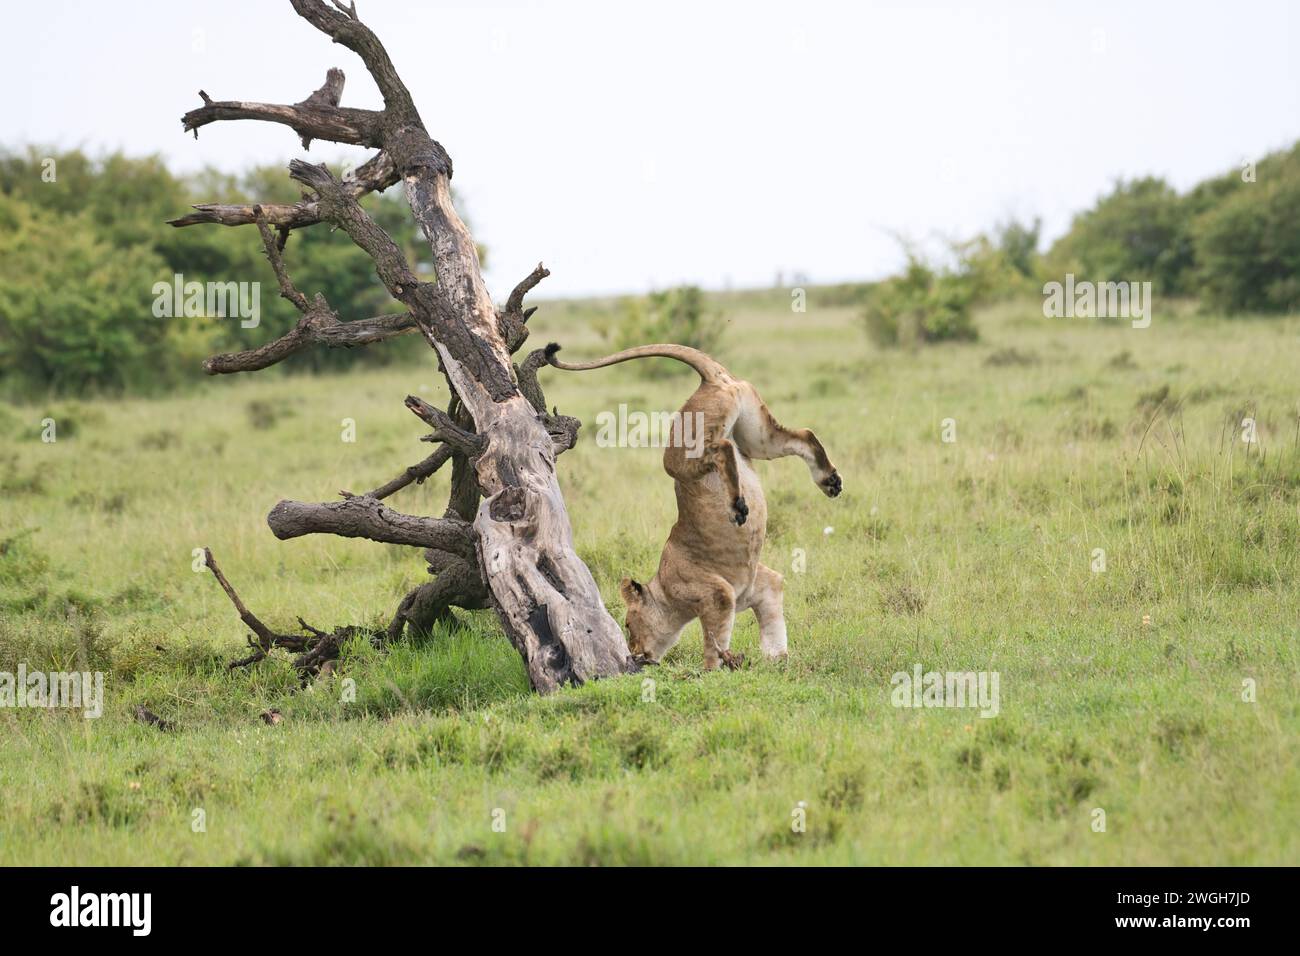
[(506, 538)]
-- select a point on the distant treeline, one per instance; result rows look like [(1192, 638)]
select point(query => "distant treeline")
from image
[(84, 241), (1232, 242), (83, 245)]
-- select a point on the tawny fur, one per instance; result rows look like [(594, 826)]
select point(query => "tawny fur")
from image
[(709, 568)]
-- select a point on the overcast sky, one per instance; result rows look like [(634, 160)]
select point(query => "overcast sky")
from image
[(636, 146)]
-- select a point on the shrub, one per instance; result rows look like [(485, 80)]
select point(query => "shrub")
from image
[(1248, 246), (922, 305), (681, 316), (74, 310), (1139, 232), (1017, 244)]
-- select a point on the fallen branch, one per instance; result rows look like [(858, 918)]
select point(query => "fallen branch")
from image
[(315, 647)]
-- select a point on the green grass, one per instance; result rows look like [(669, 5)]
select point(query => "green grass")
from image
[(974, 555)]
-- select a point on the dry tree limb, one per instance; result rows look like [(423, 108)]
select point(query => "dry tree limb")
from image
[(444, 429), (314, 328), (514, 317), (415, 473), (563, 429), (526, 372), (425, 299), (363, 517), (275, 255), (345, 27), (327, 96), (313, 118), (315, 647), (458, 584), (319, 323), (266, 637), (376, 175), (515, 302)]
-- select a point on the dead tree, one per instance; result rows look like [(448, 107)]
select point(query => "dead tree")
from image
[(505, 539)]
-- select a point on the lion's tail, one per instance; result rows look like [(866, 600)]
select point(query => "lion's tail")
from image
[(710, 370)]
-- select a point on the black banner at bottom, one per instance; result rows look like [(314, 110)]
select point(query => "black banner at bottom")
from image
[(333, 905)]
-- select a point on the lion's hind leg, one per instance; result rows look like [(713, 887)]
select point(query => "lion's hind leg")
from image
[(767, 598)]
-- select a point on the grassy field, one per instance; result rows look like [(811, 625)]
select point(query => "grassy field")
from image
[(1121, 690)]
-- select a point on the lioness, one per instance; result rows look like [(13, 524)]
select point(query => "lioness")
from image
[(710, 568)]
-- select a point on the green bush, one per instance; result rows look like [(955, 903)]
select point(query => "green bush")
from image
[(922, 305), (681, 316), (1014, 249), (75, 310), (1230, 241), (934, 303), (1002, 266), (1140, 231), (1248, 245)]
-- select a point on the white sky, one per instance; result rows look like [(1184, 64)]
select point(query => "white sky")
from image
[(634, 146)]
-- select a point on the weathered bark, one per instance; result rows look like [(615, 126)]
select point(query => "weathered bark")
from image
[(519, 553)]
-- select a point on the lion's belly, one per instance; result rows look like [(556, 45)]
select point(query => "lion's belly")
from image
[(707, 533)]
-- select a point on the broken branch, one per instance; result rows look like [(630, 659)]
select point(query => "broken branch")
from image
[(317, 326), (364, 517), (415, 473), (317, 117), (376, 175), (342, 26), (274, 252), (444, 429), (264, 634)]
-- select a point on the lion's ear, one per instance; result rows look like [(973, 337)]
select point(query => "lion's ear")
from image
[(631, 590)]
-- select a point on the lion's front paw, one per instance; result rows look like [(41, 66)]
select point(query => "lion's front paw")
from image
[(831, 485), (740, 509)]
